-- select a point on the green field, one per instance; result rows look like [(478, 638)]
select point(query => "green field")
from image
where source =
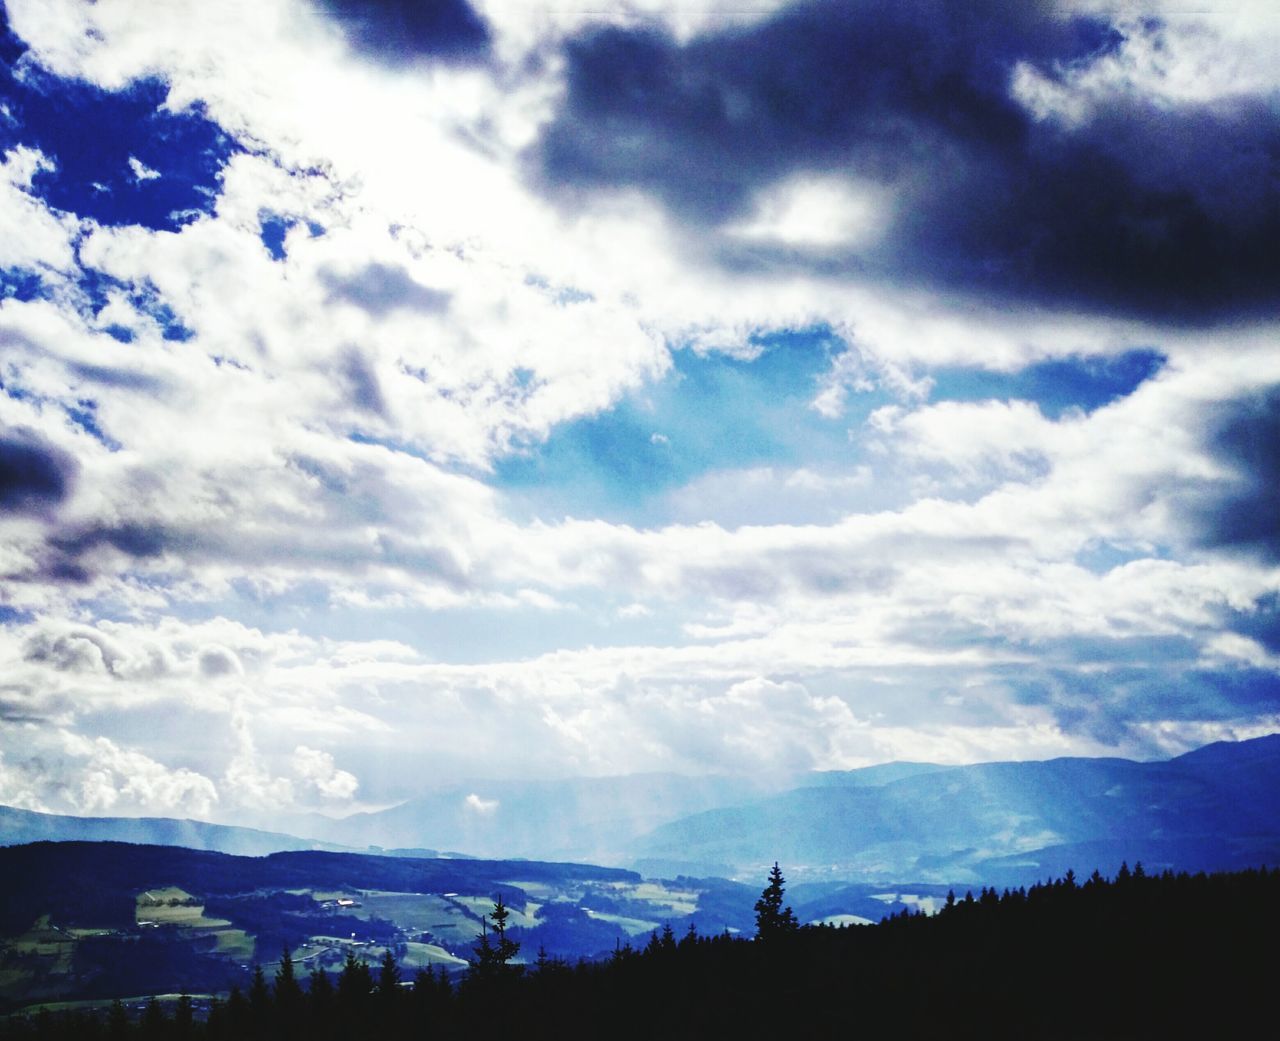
[(632, 926), (481, 906), (424, 955), (35, 961), (172, 906), (666, 900)]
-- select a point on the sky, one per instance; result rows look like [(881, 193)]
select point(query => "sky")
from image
[(394, 393)]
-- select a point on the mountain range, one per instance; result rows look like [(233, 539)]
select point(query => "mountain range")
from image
[(1217, 807), (1214, 808)]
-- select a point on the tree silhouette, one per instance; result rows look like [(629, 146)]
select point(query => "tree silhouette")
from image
[(772, 918), (492, 958), (388, 975)]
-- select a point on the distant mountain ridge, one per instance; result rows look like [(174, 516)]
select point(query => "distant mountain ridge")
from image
[(590, 819), (22, 826), (1217, 807)]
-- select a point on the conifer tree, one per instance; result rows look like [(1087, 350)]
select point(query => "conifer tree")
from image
[(259, 995), (388, 975), (117, 1021), (355, 982), (287, 990), (183, 1017), (153, 1020), (772, 918), (320, 994), (492, 957)]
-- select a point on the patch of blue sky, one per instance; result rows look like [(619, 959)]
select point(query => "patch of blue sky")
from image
[(85, 416), (1056, 386), (22, 284), (118, 157), (1101, 557), (712, 413), (273, 228), (562, 294), (16, 392), (11, 47), (14, 615), (98, 288)]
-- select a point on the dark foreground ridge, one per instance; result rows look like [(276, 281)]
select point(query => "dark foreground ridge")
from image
[(1168, 956)]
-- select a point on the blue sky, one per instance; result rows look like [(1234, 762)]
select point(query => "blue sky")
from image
[(531, 391)]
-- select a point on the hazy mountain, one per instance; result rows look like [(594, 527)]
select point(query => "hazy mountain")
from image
[(1215, 807), (590, 819), (586, 819), (19, 826), (869, 776)]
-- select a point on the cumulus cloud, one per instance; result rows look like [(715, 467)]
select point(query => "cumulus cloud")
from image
[(318, 770), (64, 772), (474, 803), (219, 661), (248, 778)]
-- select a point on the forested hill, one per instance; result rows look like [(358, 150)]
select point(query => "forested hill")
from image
[(97, 882), (1173, 956)]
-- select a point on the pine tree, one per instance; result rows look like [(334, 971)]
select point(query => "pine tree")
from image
[(153, 1020), (183, 1017), (388, 976), (287, 989), (117, 1021), (772, 918), (259, 996), (492, 958), (355, 982)]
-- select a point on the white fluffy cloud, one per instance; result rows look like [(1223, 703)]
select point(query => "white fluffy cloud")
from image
[(317, 768)]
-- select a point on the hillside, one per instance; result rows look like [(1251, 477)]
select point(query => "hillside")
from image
[(1137, 957), (83, 920)]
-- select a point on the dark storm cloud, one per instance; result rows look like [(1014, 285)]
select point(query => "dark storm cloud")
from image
[(67, 553), (34, 476), (1245, 512), (1145, 208), (134, 540), (398, 31), (383, 288)]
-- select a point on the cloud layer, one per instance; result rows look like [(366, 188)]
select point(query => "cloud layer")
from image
[(519, 391)]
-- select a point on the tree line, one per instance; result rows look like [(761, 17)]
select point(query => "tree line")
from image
[(1136, 956)]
